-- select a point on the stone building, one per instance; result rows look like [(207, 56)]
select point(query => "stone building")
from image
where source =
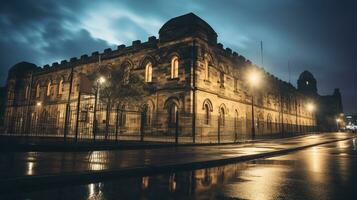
[(329, 107), (186, 70)]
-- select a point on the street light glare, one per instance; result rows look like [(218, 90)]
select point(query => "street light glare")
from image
[(310, 107), (254, 78), (101, 80), (39, 103)]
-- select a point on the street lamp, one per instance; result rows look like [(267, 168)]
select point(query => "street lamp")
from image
[(39, 103), (310, 107), (254, 80), (99, 81), (338, 120)]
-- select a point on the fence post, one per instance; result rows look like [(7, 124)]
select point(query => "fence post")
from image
[(77, 116), (142, 124), (219, 130), (116, 124), (176, 127)]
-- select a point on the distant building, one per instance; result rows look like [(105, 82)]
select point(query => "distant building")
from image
[(329, 109), (187, 71), (2, 106), (351, 122)]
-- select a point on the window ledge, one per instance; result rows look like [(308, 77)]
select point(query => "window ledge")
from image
[(173, 79)]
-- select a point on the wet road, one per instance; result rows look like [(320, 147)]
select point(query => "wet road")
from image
[(321, 172), (25, 164)]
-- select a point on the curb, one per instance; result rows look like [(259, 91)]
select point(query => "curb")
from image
[(69, 147), (27, 183)]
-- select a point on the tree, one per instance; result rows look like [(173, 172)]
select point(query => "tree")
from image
[(122, 85)]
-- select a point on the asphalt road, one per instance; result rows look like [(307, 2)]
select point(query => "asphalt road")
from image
[(29, 164), (320, 172)]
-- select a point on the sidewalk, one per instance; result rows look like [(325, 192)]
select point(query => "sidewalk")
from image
[(21, 169)]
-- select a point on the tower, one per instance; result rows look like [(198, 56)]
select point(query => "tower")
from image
[(307, 83)]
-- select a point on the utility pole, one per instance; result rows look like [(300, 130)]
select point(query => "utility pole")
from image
[(261, 53), (66, 120)]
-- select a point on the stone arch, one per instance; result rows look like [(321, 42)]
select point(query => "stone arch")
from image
[(209, 103), (172, 106), (171, 100), (208, 108), (222, 113), (146, 60), (148, 110), (225, 108)]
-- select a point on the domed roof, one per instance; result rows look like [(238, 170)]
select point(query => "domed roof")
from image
[(306, 75), (307, 83), (187, 25), (20, 69)]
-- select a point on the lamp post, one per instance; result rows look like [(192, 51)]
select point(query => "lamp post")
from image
[(99, 81), (311, 108), (253, 79), (338, 120)]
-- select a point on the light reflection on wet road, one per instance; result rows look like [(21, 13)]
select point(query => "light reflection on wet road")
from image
[(19, 164), (320, 172)]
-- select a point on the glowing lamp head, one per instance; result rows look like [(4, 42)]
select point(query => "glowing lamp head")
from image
[(39, 103), (310, 107), (254, 78), (101, 80)]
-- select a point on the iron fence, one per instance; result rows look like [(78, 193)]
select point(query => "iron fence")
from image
[(116, 124)]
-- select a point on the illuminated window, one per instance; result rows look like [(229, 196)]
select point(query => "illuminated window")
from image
[(38, 90), (48, 89), (148, 72), (60, 87), (174, 67)]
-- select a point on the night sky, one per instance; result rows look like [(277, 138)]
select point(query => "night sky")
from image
[(315, 35)]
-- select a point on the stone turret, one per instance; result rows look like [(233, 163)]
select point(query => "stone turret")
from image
[(307, 83), (185, 26)]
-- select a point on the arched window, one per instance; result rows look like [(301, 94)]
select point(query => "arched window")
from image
[(38, 90), (60, 87), (172, 113), (148, 114), (122, 116), (48, 93), (206, 69), (222, 116), (174, 67), (148, 72), (236, 120), (125, 72), (207, 114), (269, 122)]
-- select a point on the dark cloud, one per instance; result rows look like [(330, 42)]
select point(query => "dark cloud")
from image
[(315, 35)]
